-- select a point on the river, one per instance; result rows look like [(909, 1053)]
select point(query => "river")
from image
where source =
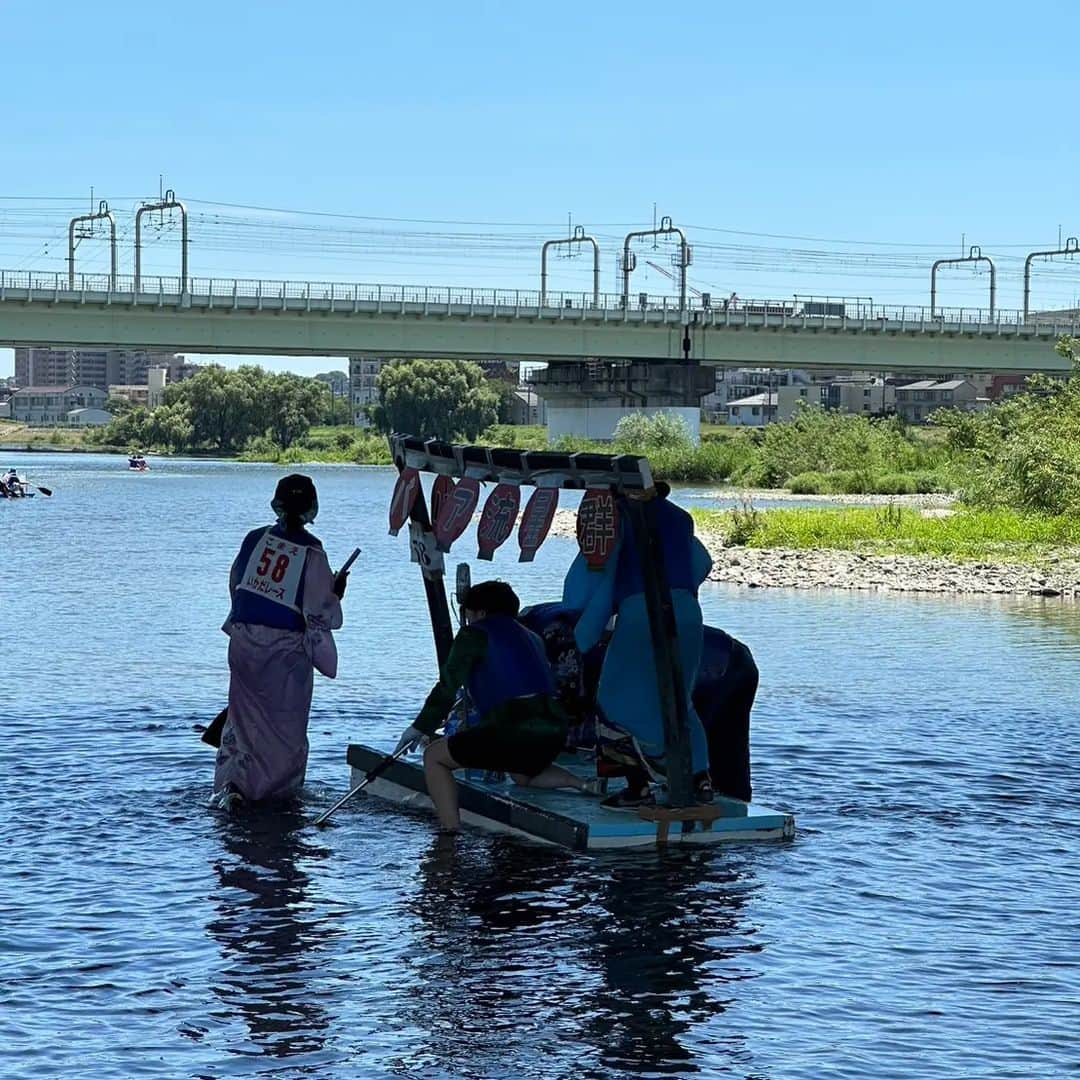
[(923, 923)]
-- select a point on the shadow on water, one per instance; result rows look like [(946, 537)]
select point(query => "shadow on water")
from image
[(271, 935), (581, 967)]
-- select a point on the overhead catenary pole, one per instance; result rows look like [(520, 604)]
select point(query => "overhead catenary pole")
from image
[(629, 261), (169, 202), (577, 237), (103, 214), (974, 255), (1070, 247)]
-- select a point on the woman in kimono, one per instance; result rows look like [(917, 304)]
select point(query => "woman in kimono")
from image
[(285, 605), (628, 694)]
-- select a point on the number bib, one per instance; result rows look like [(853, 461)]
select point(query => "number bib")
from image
[(275, 570)]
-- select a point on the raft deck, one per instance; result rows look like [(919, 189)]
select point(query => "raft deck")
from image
[(567, 818)]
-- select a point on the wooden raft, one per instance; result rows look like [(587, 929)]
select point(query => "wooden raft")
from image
[(665, 816)]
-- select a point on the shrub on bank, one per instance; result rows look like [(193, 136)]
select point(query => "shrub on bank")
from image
[(989, 535)]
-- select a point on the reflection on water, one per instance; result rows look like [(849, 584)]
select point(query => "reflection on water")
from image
[(923, 923), (630, 958), (270, 937)]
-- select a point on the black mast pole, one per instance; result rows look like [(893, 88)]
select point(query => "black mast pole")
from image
[(665, 641), (431, 566)]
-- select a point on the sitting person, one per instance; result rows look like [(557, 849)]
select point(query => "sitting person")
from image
[(519, 727)]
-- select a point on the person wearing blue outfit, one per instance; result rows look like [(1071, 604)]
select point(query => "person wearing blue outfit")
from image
[(519, 726), (628, 695), (286, 603)]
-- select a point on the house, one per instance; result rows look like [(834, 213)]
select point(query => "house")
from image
[(526, 407), (89, 418), (916, 401), (754, 411), (861, 396), (44, 406), (771, 405)]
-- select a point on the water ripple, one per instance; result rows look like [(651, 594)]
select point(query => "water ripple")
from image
[(923, 923)]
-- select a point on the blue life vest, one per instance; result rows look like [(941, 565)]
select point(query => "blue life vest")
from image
[(250, 607), (515, 665), (676, 528)]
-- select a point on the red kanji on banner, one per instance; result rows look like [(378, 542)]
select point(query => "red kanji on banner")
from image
[(440, 491), (536, 521), (401, 503), (497, 520), (597, 527), (456, 512)]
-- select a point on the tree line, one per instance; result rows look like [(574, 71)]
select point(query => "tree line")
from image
[(224, 410)]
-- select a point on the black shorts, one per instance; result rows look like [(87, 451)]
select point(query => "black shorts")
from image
[(500, 749)]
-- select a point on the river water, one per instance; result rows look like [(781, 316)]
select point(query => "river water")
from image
[(923, 923)]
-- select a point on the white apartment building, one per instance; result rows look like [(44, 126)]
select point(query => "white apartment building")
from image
[(50, 405), (363, 371)]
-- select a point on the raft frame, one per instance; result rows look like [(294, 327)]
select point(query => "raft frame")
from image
[(629, 478)]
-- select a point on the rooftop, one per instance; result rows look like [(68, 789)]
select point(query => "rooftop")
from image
[(45, 389)]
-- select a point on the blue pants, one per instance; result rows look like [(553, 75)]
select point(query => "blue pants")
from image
[(628, 692)]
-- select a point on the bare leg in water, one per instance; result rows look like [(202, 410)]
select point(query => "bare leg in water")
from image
[(439, 769)]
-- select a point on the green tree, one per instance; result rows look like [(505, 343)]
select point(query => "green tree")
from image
[(446, 399), (118, 405), (638, 431), (170, 426), (1025, 453), (128, 429), (292, 404)]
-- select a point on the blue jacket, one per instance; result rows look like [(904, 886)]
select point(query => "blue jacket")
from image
[(249, 607), (515, 665), (598, 595), (676, 528)]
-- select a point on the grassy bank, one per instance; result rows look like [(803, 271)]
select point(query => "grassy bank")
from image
[(987, 536), (16, 436)]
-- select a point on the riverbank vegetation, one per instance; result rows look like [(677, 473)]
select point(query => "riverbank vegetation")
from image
[(1021, 455), (999, 535)]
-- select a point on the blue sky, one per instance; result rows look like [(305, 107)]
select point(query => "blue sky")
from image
[(858, 127)]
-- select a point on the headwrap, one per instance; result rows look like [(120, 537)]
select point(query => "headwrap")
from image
[(295, 498)]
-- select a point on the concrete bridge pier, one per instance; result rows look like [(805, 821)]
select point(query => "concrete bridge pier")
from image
[(588, 398)]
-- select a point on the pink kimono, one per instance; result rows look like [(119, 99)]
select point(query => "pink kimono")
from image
[(264, 745)]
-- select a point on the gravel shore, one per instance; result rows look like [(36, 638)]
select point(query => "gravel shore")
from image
[(813, 568)]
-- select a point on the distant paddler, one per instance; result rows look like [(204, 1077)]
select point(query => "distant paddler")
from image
[(286, 603)]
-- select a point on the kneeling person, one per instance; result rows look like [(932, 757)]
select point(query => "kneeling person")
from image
[(520, 728)]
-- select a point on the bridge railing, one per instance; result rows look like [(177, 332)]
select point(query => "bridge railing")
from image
[(153, 288)]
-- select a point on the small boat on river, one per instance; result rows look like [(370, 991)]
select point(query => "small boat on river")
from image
[(565, 817), (137, 463), (14, 486)]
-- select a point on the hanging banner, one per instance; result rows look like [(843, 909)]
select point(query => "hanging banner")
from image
[(497, 520), (440, 490), (536, 521), (404, 498), (597, 527), (456, 512)]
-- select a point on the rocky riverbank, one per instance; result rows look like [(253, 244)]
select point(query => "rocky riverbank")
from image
[(814, 568)]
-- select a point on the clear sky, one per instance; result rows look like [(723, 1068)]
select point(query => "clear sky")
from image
[(830, 149)]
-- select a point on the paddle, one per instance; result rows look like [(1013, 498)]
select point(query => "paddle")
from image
[(44, 491), (212, 735), (373, 775)]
